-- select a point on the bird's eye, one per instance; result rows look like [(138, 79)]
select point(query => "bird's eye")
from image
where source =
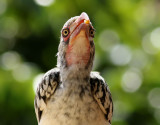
[(65, 32), (91, 32)]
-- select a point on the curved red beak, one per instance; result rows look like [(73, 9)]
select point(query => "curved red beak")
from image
[(81, 24), (79, 45)]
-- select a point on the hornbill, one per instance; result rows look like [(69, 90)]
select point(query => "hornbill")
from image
[(71, 94)]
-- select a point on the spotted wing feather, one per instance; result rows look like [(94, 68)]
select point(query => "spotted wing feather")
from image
[(102, 95), (45, 90)]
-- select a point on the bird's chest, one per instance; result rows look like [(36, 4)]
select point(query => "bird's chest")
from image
[(73, 106)]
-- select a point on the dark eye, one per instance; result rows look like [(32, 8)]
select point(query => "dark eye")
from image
[(91, 32), (65, 32)]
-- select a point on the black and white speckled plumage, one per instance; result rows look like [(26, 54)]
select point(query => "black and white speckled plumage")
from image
[(72, 94), (45, 90)]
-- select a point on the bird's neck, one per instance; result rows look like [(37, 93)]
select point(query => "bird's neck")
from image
[(74, 74)]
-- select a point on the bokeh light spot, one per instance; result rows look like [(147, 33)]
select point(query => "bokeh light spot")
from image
[(154, 98), (131, 80), (148, 46), (155, 38), (36, 81), (3, 6), (120, 55), (44, 2), (10, 60), (139, 59), (22, 72), (108, 39)]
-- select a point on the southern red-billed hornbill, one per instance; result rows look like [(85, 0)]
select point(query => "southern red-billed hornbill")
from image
[(71, 94)]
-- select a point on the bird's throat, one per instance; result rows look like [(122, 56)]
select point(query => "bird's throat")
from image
[(78, 51)]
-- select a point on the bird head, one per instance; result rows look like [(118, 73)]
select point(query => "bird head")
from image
[(76, 48)]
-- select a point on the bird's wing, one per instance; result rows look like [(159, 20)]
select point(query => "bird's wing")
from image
[(45, 90), (102, 95)]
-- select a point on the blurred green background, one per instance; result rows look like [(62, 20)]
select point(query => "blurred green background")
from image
[(127, 54)]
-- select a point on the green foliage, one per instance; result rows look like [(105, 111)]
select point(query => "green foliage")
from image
[(127, 54)]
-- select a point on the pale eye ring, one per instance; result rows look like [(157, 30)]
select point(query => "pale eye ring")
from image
[(65, 32)]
